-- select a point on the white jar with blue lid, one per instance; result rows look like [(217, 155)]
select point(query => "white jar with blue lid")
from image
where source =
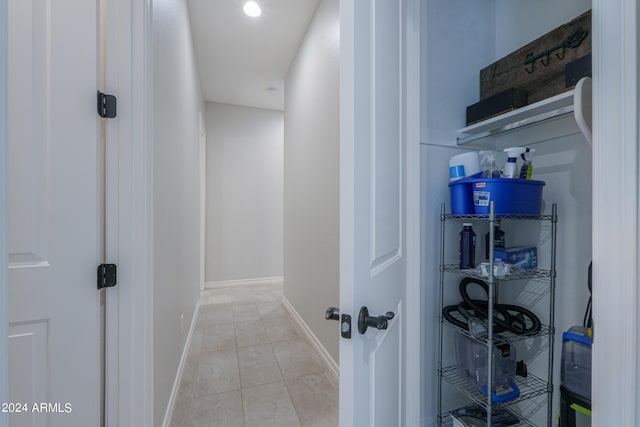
[(463, 165)]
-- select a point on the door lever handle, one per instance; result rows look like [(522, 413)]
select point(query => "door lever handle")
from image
[(332, 313), (365, 321)]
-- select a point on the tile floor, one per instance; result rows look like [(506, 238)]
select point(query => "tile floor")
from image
[(250, 365)]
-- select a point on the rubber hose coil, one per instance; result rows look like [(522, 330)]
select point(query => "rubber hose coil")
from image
[(507, 317)]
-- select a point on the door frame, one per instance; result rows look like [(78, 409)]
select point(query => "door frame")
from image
[(129, 216), (616, 214), (412, 363), (4, 309), (129, 355)]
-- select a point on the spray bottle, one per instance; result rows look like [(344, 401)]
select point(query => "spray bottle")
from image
[(510, 168), (488, 164), (527, 169)]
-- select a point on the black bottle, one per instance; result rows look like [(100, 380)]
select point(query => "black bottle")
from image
[(467, 246), (498, 240)]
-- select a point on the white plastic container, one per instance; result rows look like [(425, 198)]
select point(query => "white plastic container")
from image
[(462, 165)]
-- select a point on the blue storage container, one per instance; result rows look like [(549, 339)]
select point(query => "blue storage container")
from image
[(510, 196), (462, 195)]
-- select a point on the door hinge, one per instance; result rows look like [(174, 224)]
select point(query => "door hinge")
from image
[(107, 275), (107, 105)]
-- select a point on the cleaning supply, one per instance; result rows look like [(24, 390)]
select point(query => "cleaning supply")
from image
[(488, 164), (575, 366), (467, 246), (498, 240), (525, 257), (462, 165), (473, 361), (511, 167), (526, 169), (476, 327)]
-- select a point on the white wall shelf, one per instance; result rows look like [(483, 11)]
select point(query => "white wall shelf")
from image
[(576, 102)]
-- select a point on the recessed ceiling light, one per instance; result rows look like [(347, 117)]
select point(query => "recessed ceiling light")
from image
[(252, 9)]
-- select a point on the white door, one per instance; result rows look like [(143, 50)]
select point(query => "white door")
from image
[(374, 216), (53, 215)]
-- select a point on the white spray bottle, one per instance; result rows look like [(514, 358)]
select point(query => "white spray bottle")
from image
[(510, 168)]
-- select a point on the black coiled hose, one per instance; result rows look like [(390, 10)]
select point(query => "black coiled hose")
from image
[(506, 317)]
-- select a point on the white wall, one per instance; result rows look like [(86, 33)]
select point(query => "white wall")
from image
[(451, 80), (525, 21), (244, 193), (311, 181), (177, 103)]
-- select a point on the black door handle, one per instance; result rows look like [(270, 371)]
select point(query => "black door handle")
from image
[(365, 321), (332, 313)]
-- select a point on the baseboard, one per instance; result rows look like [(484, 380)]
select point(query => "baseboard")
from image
[(315, 342), (176, 384), (243, 282)]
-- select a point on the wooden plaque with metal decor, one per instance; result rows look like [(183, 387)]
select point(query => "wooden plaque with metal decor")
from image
[(539, 67)]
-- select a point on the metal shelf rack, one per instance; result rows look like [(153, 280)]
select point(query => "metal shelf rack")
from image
[(534, 273), (446, 421), (509, 337), (531, 386)]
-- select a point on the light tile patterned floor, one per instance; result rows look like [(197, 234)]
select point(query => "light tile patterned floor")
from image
[(250, 365)]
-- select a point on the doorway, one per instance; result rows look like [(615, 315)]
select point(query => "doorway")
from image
[(245, 197)]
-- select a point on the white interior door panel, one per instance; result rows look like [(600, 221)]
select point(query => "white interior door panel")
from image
[(53, 213)]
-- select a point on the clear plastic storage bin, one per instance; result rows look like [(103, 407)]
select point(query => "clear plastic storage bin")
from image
[(472, 357), (575, 371)]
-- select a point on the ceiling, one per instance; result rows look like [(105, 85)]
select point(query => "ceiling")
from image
[(244, 60)]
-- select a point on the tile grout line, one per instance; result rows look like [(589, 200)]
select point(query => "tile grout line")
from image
[(284, 379), (286, 384), (244, 416), (286, 387), (235, 339)]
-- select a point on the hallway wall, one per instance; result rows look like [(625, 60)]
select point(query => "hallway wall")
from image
[(244, 193), (176, 196), (311, 176)]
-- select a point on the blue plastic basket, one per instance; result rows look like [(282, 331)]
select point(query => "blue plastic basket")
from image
[(510, 196), (461, 197)]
